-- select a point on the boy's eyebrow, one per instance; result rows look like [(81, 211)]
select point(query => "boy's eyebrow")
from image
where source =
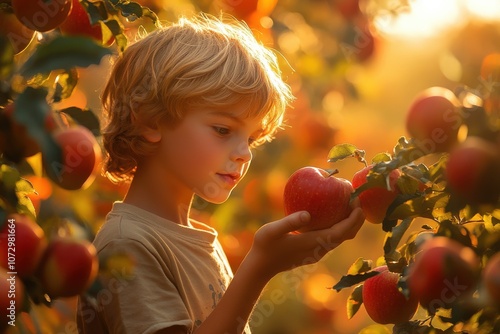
[(231, 116), (227, 114)]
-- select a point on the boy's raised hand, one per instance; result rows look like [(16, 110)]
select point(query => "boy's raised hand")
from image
[(278, 247)]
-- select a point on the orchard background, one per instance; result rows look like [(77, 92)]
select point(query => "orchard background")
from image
[(355, 69)]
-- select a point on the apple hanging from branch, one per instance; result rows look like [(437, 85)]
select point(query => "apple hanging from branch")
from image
[(383, 301), (375, 201), (68, 267)]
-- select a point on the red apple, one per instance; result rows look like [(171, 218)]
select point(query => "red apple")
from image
[(22, 244), (443, 273), (81, 157), (375, 201), (383, 301), (324, 196), (78, 23), (433, 120), (11, 298), (68, 267), (491, 278), (472, 171), (41, 15)]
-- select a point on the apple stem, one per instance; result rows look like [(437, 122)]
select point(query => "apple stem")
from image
[(332, 172)]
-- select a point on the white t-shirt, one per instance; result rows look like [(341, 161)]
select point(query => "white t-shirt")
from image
[(179, 274)]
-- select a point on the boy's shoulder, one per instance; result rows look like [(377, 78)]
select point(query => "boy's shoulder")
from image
[(126, 224)]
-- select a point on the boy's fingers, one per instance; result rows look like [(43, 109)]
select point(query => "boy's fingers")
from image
[(290, 223), (351, 225)]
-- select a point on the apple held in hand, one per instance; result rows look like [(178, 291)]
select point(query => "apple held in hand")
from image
[(375, 201), (443, 273), (69, 266), (22, 244), (324, 196), (383, 301)]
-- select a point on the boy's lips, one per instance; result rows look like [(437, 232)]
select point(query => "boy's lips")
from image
[(230, 178)]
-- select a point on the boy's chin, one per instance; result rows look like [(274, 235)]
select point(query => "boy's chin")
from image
[(216, 198)]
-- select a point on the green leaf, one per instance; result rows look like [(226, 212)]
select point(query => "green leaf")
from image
[(406, 151), (454, 231), (84, 117), (381, 157), (347, 281), (377, 177), (492, 223), (408, 185), (25, 186), (400, 208), (359, 266), (354, 301), (32, 111), (131, 10), (423, 205), (146, 12), (393, 239), (437, 170), (6, 58), (8, 180), (9, 177), (342, 151), (117, 31), (25, 205), (64, 53), (64, 84), (96, 10)]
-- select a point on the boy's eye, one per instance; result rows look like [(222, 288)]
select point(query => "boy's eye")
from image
[(221, 130)]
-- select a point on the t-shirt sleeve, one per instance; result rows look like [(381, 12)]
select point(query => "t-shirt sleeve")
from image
[(144, 300)]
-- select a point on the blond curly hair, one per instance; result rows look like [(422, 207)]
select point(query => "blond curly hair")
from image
[(200, 61)]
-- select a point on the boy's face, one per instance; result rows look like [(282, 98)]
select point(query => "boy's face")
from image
[(208, 152)]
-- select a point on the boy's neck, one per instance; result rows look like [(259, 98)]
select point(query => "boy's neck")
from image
[(154, 196)]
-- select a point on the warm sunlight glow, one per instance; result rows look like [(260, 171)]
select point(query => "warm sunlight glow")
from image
[(484, 9), (425, 18)]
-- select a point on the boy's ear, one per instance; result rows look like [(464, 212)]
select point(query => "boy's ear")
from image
[(152, 135), (149, 130)]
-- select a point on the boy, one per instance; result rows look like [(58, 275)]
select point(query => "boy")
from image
[(185, 106)]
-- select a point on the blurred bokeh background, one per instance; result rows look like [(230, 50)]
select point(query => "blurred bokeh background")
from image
[(355, 67)]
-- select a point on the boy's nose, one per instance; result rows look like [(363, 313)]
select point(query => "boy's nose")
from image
[(242, 153)]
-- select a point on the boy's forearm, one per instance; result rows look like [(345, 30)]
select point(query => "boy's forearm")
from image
[(231, 314)]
